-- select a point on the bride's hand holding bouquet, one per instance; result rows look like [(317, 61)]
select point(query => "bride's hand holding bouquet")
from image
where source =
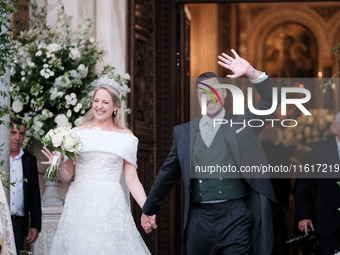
[(59, 142)]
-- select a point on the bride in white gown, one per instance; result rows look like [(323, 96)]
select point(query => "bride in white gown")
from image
[(96, 218)]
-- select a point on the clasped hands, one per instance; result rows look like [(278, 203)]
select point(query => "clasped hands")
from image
[(148, 222)]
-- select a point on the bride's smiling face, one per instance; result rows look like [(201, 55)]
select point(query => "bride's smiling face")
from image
[(102, 105)]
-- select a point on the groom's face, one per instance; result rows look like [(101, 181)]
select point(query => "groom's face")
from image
[(213, 109)]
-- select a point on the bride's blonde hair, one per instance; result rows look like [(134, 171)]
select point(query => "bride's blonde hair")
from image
[(118, 118)]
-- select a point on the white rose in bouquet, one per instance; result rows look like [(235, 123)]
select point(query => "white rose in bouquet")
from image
[(69, 144), (57, 140)]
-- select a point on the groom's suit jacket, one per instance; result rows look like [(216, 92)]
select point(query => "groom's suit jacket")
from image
[(32, 201), (246, 150), (327, 191)]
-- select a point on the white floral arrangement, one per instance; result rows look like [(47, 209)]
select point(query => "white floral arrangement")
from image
[(65, 141), (51, 75), (310, 129)]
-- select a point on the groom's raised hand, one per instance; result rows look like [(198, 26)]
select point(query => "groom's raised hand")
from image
[(148, 223), (239, 66)]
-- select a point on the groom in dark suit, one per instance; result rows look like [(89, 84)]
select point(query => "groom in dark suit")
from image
[(217, 219), (25, 204), (327, 194)]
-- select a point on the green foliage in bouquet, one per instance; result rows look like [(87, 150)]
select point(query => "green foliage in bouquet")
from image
[(51, 75)]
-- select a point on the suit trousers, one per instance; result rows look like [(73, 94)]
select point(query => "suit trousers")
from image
[(219, 228), (19, 232)]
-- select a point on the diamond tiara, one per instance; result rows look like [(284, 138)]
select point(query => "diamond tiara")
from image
[(105, 80)]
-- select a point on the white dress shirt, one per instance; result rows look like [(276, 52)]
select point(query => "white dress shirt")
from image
[(17, 191), (207, 128), (261, 78)]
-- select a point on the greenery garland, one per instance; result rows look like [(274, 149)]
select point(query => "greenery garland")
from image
[(6, 51), (6, 48)]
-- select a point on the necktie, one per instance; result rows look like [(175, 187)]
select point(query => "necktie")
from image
[(208, 133)]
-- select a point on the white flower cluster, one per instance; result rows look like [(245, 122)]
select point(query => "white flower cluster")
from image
[(51, 75), (17, 106), (62, 121)]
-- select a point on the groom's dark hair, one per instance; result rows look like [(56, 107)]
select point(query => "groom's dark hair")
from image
[(207, 75)]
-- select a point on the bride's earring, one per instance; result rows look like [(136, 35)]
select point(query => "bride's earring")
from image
[(115, 113)]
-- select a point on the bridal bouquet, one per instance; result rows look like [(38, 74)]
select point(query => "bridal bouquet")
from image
[(65, 141)]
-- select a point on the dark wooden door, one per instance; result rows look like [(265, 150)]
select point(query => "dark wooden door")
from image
[(159, 68)]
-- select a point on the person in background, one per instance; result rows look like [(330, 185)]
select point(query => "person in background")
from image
[(25, 201), (326, 218)]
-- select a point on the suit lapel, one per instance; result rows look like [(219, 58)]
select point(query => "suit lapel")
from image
[(25, 163), (25, 169), (231, 138), (193, 129)]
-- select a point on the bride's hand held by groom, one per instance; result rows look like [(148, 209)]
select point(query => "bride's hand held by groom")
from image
[(148, 223)]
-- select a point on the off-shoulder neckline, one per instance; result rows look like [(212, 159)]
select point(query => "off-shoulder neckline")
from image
[(103, 130)]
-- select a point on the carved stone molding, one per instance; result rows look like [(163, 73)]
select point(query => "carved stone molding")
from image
[(326, 12)]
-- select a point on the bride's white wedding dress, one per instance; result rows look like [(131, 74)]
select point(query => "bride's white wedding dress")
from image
[(96, 218)]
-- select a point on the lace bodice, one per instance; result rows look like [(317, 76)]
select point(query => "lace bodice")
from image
[(98, 166)]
